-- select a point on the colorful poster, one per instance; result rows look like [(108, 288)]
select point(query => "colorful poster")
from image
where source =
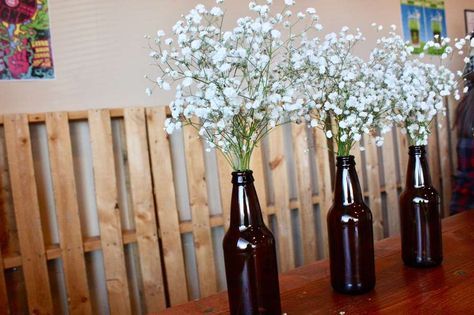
[(25, 41), (423, 20)]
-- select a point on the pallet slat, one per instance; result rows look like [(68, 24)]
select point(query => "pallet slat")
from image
[(165, 195), (279, 171), (108, 212), (373, 182), (225, 189), (305, 192), (445, 163), (256, 165), (25, 200), (390, 176), (197, 188), (3, 290), (67, 213), (143, 209), (324, 184)]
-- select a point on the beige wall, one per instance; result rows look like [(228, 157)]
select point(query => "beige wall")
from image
[(100, 54)]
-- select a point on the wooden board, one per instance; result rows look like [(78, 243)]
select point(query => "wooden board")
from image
[(3, 290), (324, 184), (67, 213), (433, 158), (355, 151), (399, 289), (143, 209), (403, 145), (256, 164), (25, 200), (305, 192), (373, 181), (279, 171), (198, 199), (167, 210), (445, 163), (197, 187), (225, 182), (108, 212), (390, 177)]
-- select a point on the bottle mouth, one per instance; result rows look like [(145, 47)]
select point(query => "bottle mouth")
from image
[(345, 160), (417, 149), (242, 177)]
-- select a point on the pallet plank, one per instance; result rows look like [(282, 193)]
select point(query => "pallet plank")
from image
[(4, 306), (305, 192), (390, 176), (373, 182), (277, 161), (324, 184), (108, 212), (167, 209), (143, 209), (445, 163), (433, 157), (403, 145), (25, 201), (225, 182), (67, 213), (256, 165), (197, 188)]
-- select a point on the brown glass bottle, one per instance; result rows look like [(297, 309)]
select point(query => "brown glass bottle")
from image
[(249, 254), (420, 214), (351, 244)]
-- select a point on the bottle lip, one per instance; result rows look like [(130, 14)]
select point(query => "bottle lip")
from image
[(242, 177), (345, 160), (417, 149)]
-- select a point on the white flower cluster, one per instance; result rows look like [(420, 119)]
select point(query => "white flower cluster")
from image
[(236, 85), (233, 86)]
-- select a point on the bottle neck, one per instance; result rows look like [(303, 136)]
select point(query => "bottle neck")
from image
[(418, 173), (245, 209), (347, 189)]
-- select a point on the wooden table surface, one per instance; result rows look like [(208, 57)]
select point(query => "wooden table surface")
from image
[(448, 289)]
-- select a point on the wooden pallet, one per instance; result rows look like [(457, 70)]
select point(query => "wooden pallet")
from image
[(162, 268)]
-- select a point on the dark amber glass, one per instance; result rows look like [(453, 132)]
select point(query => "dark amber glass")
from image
[(420, 214), (249, 253), (351, 243)]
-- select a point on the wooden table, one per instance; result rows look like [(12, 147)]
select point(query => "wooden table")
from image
[(448, 289)]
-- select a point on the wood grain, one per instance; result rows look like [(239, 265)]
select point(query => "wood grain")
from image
[(400, 290), (445, 163), (3, 290), (256, 165), (67, 213), (390, 177), (108, 212), (305, 192), (277, 161), (324, 184), (144, 209), (225, 186), (25, 201), (167, 210), (197, 188), (373, 181)]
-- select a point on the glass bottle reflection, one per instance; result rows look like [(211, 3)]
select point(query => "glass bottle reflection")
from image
[(420, 214), (250, 254), (351, 245)]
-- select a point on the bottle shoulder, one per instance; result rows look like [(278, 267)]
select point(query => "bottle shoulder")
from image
[(345, 213), (244, 237), (425, 192)]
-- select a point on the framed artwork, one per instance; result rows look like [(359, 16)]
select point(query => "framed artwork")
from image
[(422, 21), (469, 18), (25, 40)]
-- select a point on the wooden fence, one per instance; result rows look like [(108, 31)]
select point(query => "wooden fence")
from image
[(139, 259)]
